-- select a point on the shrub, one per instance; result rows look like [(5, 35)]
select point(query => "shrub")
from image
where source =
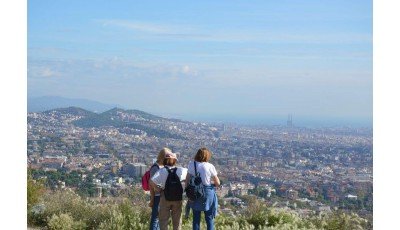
[(67, 210), (345, 221), (258, 219), (64, 222), (116, 222), (35, 190)]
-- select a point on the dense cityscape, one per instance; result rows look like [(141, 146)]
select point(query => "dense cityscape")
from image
[(104, 155)]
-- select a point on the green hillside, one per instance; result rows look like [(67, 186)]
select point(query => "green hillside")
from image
[(65, 209), (110, 118), (76, 111)]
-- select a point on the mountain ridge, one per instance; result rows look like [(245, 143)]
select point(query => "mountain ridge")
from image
[(71, 110), (119, 118), (45, 103)]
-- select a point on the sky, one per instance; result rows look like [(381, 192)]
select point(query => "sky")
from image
[(216, 60)]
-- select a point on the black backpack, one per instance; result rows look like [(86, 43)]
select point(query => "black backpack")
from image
[(195, 188), (173, 188)]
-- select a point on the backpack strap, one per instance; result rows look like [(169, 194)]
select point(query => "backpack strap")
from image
[(154, 166), (195, 168)]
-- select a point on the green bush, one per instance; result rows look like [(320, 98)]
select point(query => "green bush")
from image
[(116, 222), (64, 222), (67, 210), (258, 219), (35, 190), (345, 221)]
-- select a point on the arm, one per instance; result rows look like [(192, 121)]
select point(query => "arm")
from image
[(215, 178), (153, 170), (187, 180), (152, 193), (154, 187), (217, 183)]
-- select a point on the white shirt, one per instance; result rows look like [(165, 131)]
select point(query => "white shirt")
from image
[(160, 177), (206, 170)]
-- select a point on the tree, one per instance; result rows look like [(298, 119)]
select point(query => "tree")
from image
[(35, 190)]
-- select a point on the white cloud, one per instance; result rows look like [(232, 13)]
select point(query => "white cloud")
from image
[(201, 33), (47, 72), (139, 26), (42, 71), (113, 68), (185, 69)]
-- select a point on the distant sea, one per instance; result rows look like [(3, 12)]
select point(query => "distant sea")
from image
[(311, 122)]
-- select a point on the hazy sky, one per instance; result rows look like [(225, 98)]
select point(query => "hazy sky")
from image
[(206, 58)]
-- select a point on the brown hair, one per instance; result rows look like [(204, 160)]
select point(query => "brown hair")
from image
[(170, 161), (161, 155), (203, 155)]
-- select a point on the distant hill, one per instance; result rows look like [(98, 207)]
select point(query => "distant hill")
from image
[(121, 118), (98, 120), (136, 113), (40, 104), (71, 110), (96, 114)]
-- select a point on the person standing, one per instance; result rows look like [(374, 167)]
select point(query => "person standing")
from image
[(209, 177), (154, 195), (169, 181)]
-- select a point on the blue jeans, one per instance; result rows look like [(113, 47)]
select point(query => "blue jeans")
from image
[(154, 224), (208, 216)]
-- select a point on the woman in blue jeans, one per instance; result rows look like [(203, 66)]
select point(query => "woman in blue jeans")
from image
[(154, 195), (210, 180)]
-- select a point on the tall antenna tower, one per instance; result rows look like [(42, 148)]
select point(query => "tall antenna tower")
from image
[(290, 121)]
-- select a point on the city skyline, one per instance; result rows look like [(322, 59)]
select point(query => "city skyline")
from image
[(208, 59), (277, 165)]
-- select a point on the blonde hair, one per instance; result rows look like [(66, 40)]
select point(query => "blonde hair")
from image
[(203, 155), (161, 155)]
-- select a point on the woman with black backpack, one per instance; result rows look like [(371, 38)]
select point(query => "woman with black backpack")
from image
[(202, 197), (168, 180)]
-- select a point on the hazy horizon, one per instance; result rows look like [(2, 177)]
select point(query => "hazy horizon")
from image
[(220, 60), (266, 119)]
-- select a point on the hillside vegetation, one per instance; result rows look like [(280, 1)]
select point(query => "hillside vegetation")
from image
[(64, 209), (135, 120)]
